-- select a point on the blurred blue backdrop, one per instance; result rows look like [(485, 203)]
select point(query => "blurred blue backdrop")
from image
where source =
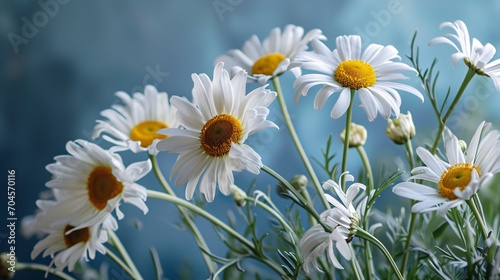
[(60, 73)]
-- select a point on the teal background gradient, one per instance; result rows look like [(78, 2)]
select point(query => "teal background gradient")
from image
[(62, 73)]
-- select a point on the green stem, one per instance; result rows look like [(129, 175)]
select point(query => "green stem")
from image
[(442, 123), (479, 219), (115, 242), (212, 267), (296, 141), (367, 236), (43, 268), (303, 203), (368, 251), (120, 263), (348, 119), (216, 222), (367, 166), (413, 216)]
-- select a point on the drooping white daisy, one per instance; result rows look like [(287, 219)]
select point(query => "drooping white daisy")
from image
[(458, 178), (216, 125), (90, 183), (271, 57), (343, 221), (371, 73), (476, 56), (67, 245), (133, 126)]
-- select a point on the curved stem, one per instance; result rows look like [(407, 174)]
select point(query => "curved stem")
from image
[(367, 236), (211, 218), (43, 268), (187, 219), (296, 141), (442, 123), (480, 221), (303, 203), (120, 263), (348, 119), (115, 242), (367, 166)]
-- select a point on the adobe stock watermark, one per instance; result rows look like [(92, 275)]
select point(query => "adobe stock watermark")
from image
[(380, 19), (154, 76), (223, 6), (30, 28)]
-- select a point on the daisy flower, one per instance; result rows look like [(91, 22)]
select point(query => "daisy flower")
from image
[(215, 127), (66, 245), (371, 73), (476, 56), (133, 126), (458, 178), (343, 221), (272, 57), (90, 183)]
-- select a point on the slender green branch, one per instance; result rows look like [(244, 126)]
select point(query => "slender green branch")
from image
[(442, 124), (413, 216), (348, 119), (366, 235), (43, 268), (367, 166), (296, 141), (212, 267), (121, 264), (211, 218), (117, 244), (480, 221)]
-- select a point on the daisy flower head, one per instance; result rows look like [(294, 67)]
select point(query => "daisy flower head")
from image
[(458, 178), (133, 125), (215, 126), (343, 221), (90, 183), (270, 58), (67, 245), (476, 56), (371, 72)]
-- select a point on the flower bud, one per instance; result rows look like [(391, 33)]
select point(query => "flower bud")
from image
[(238, 195), (462, 145), (7, 265), (299, 182), (357, 135), (401, 129)]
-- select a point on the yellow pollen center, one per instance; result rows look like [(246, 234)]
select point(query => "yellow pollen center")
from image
[(75, 237), (145, 132), (355, 74), (266, 64), (102, 186), (218, 133), (457, 176)]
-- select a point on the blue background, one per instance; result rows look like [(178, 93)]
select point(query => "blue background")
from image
[(56, 83)]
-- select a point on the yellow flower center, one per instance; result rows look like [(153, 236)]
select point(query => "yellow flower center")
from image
[(355, 74), (457, 176), (75, 237), (218, 133), (267, 64), (145, 132), (102, 186)]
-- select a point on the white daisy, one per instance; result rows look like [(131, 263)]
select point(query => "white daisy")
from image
[(371, 73), (272, 57), (459, 178), (90, 183), (475, 56), (343, 221), (133, 126), (216, 124), (67, 245)]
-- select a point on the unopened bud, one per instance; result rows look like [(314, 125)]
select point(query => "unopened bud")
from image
[(462, 145), (238, 195), (357, 135), (401, 129), (299, 182)]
